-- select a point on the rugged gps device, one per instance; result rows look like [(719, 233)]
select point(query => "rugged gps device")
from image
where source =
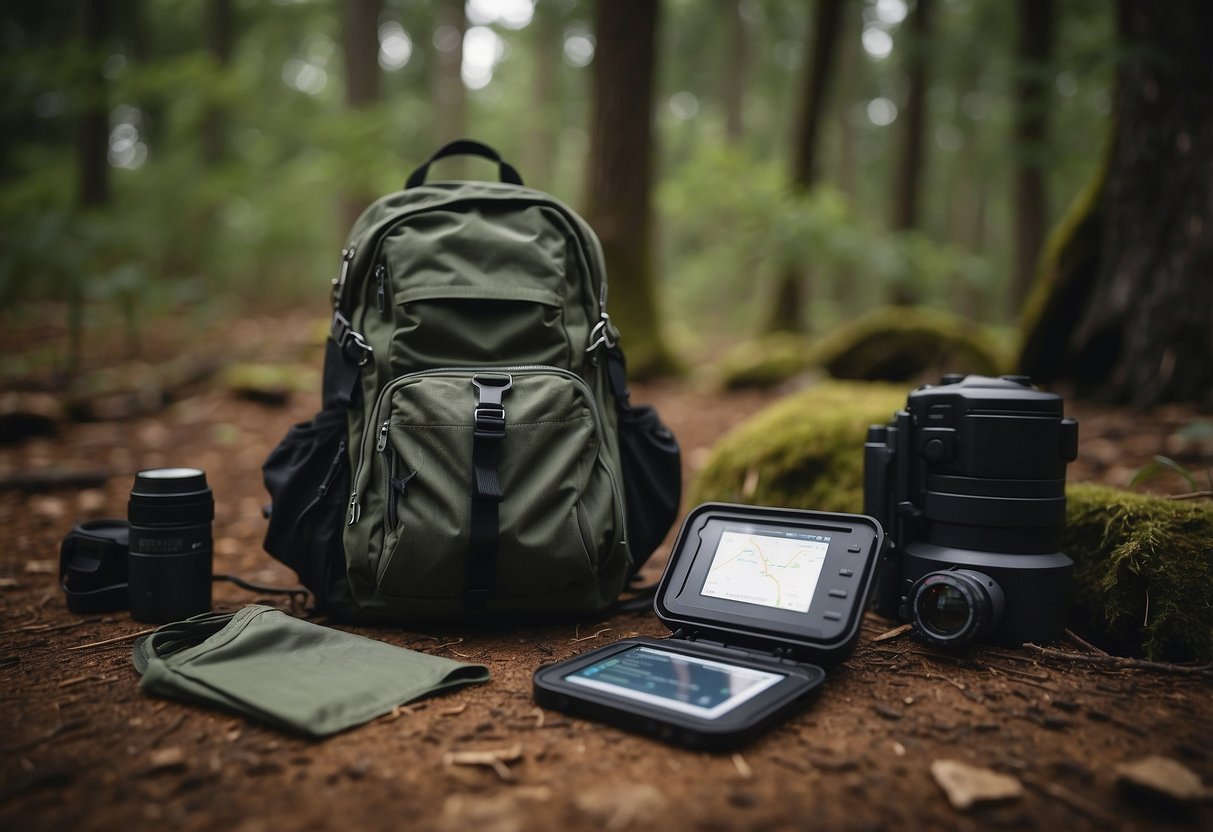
[(757, 599)]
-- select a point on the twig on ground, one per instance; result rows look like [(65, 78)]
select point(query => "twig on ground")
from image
[(114, 640), (1081, 642), (1082, 806), (1122, 662)]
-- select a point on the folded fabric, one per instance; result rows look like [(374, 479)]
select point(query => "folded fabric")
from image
[(289, 673)]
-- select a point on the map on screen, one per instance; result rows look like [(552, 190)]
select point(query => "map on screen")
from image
[(779, 571)]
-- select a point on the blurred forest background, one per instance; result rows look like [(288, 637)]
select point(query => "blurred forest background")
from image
[(804, 162)]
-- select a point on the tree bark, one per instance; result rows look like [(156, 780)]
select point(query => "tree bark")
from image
[(620, 173), (1125, 309), (792, 290), (1033, 78), (913, 120), (450, 97), (360, 43), (737, 60), (546, 32), (219, 38), (92, 154)]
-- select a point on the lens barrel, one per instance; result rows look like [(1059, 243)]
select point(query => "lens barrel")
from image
[(952, 608), (169, 566)]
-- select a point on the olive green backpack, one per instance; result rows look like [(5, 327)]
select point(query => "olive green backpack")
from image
[(477, 453)]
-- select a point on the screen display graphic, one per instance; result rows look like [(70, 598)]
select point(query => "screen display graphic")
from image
[(687, 684), (771, 570)]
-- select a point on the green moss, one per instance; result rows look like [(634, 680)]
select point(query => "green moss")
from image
[(805, 451), (764, 362), (268, 382), (1143, 571), (905, 343)]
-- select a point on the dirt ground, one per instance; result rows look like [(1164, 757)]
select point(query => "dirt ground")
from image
[(82, 748)]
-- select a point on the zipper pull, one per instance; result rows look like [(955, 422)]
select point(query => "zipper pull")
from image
[(383, 431), (381, 294), (355, 509), (347, 256)]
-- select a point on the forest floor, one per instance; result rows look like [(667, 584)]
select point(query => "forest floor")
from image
[(81, 747)]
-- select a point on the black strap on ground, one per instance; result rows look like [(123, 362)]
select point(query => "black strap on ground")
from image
[(488, 431)]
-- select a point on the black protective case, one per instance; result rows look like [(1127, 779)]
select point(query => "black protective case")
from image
[(794, 644)]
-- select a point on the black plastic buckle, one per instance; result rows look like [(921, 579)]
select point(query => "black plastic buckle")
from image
[(489, 415), (343, 333)]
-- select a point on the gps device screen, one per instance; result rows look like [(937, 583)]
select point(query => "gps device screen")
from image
[(770, 570), (687, 684)]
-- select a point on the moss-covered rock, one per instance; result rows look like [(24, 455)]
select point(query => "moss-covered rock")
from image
[(1143, 577), (764, 362), (805, 451), (1143, 571), (907, 343), (888, 344)]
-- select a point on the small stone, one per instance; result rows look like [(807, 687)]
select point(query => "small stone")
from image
[(966, 786), (1161, 777), (887, 711), (163, 759)]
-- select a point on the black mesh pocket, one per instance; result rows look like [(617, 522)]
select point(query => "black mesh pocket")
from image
[(308, 479), (652, 479)]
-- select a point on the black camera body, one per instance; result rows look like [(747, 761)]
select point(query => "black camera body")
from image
[(969, 483)]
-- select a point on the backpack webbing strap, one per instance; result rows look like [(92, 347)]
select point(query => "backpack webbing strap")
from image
[(346, 352), (488, 431)]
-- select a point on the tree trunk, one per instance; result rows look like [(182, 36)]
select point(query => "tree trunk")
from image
[(792, 290), (620, 173), (92, 153), (908, 188), (1125, 309), (737, 60), (913, 120), (360, 42), (1034, 76), (450, 97), (219, 37), (546, 33)]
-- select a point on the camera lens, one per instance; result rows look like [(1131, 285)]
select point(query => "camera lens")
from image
[(952, 608), (169, 567)]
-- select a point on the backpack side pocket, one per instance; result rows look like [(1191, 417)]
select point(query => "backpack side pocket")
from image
[(308, 478), (652, 479)]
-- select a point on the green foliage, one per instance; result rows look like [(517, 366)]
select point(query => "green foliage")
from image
[(740, 224), (805, 451), (1143, 571)]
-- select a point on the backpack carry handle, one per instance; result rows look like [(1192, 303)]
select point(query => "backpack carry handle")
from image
[(465, 147)]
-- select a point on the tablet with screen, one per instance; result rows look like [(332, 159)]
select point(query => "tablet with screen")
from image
[(757, 599)]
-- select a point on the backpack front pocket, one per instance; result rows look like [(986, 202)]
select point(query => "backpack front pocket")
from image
[(559, 514)]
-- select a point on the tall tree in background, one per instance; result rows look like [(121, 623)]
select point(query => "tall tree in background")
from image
[(545, 41), (907, 192), (450, 96), (791, 295), (92, 153), (219, 39), (737, 61), (1125, 303), (360, 41), (621, 172), (1034, 76)]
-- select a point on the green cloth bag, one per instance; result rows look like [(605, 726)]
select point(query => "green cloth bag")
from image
[(289, 673)]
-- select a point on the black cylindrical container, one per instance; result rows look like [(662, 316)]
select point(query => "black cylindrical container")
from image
[(169, 571)]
